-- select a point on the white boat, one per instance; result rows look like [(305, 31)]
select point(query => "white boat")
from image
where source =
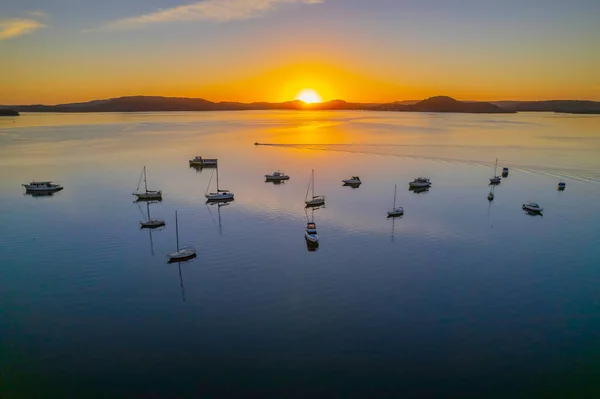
[(562, 185), (183, 253), (146, 195), (311, 232), (205, 162), (396, 210), (151, 223), (420, 182), (352, 181), (219, 195), (532, 207), (316, 200), (277, 176), (46, 186), (495, 179)]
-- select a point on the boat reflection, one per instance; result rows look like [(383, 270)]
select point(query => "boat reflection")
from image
[(219, 205), (311, 246), (181, 276), (38, 193), (311, 235), (353, 185), (419, 190)]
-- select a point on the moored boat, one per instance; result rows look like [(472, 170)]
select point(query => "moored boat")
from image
[(420, 182), (277, 176), (220, 194), (354, 180), (46, 186), (495, 180), (147, 195), (532, 207), (182, 254), (504, 172), (562, 185), (396, 210), (316, 200), (204, 162)]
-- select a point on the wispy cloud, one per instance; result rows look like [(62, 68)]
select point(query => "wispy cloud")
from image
[(38, 14), (14, 27), (212, 10)]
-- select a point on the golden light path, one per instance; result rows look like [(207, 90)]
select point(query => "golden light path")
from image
[(309, 96)]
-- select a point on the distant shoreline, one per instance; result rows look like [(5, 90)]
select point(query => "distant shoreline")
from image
[(433, 104)]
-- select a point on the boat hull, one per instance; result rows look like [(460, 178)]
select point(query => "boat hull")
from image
[(50, 189), (181, 255), (216, 197), (419, 185), (276, 178), (351, 182), (157, 196), (532, 210), (317, 201), (203, 164), (312, 237), (152, 224), (395, 212)]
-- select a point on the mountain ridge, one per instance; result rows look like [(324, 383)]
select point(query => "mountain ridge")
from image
[(431, 104)]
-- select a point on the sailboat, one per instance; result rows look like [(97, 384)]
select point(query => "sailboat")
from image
[(183, 253), (496, 179), (220, 195), (146, 195), (396, 210), (316, 200), (151, 223)]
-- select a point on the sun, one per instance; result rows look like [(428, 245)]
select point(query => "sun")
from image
[(309, 96)]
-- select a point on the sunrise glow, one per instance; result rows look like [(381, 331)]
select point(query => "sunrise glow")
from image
[(309, 96)]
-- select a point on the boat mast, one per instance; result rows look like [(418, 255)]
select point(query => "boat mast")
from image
[(395, 196), (495, 167), (313, 183), (177, 230), (145, 182), (148, 206), (217, 178)]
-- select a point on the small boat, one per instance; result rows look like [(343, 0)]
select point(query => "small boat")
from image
[(45, 186), (495, 179), (183, 253), (151, 223), (277, 176), (561, 186), (504, 172), (146, 195), (316, 200), (396, 210), (420, 182), (491, 195), (199, 161), (354, 180), (220, 195), (311, 232), (532, 207)]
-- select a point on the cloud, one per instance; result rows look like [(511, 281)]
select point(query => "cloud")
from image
[(37, 14), (17, 27), (207, 10)]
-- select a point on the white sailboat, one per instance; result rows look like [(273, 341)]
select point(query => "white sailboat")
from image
[(220, 195), (183, 253), (495, 179), (316, 200), (396, 210), (151, 223), (146, 195)]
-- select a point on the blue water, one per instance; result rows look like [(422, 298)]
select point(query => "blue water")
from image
[(457, 297)]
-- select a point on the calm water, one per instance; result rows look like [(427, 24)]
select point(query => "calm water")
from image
[(456, 296)]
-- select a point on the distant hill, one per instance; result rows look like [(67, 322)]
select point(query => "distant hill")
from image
[(8, 112), (432, 104), (566, 106)]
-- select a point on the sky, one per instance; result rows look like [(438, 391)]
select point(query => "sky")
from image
[(59, 51)]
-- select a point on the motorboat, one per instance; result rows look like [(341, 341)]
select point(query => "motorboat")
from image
[(532, 207), (420, 182), (199, 161), (504, 172), (562, 185), (354, 180), (147, 195), (396, 210), (311, 232), (220, 194), (45, 186), (277, 176), (495, 179), (315, 200), (151, 223), (183, 253)]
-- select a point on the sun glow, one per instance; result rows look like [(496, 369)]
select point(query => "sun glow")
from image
[(309, 96)]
